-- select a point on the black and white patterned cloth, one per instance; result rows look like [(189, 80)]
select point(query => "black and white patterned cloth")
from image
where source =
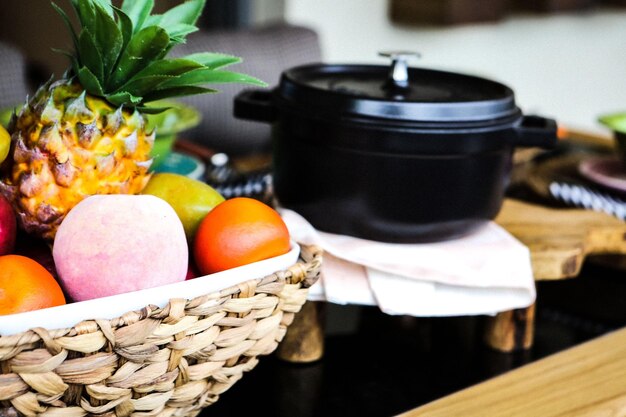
[(582, 196)]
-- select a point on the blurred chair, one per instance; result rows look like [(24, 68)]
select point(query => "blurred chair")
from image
[(266, 53), (13, 72)]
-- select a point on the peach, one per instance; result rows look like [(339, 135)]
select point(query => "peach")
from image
[(112, 244)]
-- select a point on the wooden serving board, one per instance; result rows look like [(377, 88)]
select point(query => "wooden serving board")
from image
[(584, 381), (559, 239)]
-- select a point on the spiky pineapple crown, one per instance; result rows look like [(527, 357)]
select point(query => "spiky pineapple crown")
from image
[(120, 53)]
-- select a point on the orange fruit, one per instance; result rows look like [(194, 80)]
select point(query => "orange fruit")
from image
[(25, 285), (237, 232)]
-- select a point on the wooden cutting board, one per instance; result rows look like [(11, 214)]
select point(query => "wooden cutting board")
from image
[(560, 239)]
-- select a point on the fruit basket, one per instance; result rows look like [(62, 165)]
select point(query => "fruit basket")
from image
[(169, 361), (142, 334)]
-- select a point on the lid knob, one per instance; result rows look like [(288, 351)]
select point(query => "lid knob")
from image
[(398, 74)]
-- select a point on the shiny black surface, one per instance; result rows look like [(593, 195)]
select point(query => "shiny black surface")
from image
[(379, 365)]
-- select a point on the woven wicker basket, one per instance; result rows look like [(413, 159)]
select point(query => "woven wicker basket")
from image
[(170, 361)]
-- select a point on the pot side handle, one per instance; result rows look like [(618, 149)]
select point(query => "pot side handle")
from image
[(536, 131), (255, 105)]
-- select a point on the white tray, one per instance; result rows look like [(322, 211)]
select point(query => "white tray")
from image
[(116, 305)]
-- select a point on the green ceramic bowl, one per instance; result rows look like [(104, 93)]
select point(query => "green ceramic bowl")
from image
[(5, 116), (168, 124), (617, 123)]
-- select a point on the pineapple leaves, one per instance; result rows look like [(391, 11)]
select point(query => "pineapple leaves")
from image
[(125, 25), (145, 47), (140, 86), (153, 20), (179, 31), (123, 98), (138, 11), (109, 39), (171, 75), (177, 92), (209, 76), (100, 40), (173, 67), (105, 5), (89, 54), (151, 110), (86, 12), (187, 13), (156, 73), (120, 53), (213, 60), (90, 81)]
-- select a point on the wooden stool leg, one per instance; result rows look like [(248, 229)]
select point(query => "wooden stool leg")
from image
[(511, 330), (304, 341)]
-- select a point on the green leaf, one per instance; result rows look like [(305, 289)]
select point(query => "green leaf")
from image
[(153, 20), (138, 11), (213, 60), (142, 85), (86, 12), (187, 12), (90, 82), (176, 92), (89, 54), (614, 121), (180, 30), (109, 39), (172, 67), (68, 23), (125, 25), (105, 5), (209, 76), (152, 110), (125, 98), (145, 47)]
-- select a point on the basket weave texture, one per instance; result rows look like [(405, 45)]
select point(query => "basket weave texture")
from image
[(170, 361)]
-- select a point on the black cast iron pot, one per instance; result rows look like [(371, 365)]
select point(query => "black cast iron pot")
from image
[(392, 154)]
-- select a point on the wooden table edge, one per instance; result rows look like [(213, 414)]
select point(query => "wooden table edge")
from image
[(585, 380)]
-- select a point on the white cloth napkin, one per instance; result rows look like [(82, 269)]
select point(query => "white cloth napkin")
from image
[(486, 272)]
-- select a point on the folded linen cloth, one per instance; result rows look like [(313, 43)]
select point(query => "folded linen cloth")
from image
[(486, 272)]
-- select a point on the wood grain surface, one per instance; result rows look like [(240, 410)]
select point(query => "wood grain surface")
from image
[(560, 239), (304, 340), (584, 381)]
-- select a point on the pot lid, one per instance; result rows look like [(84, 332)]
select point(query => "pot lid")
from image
[(397, 92)]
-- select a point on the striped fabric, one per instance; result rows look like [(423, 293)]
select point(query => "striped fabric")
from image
[(585, 197)]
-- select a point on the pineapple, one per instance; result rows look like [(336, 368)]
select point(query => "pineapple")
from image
[(86, 134)]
